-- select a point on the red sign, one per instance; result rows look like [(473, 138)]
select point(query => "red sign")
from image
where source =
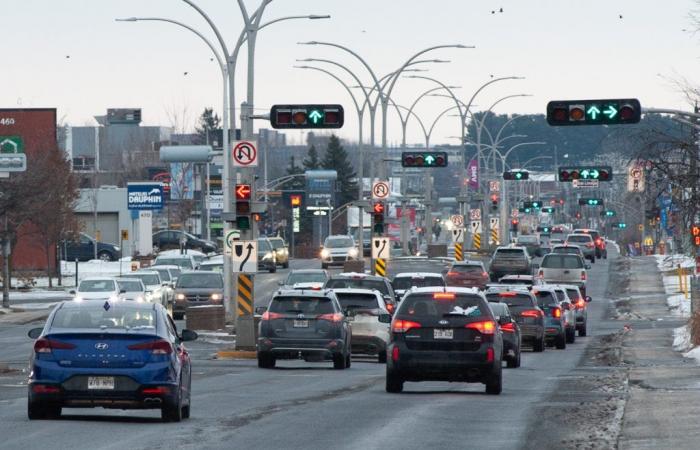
[(243, 192)]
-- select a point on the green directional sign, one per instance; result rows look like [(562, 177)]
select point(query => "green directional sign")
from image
[(590, 201), (429, 160), (11, 144)]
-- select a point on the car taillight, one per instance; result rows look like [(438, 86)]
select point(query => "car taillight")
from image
[(540, 274), (580, 303), (484, 327), (160, 390), (45, 345), (556, 312), (402, 326), (598, 241), (583, 276), (395, 354), (332, 317), (267, 315), (452, 274), (531, 313), (485, 274), (508, 327), (390, 308), (45, 389), (489, 354), (589, 245), (443, 296), (159, 347)]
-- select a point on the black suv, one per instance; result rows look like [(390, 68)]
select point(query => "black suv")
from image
[(310, 324), (444, 334), (356, 280), (170, 239), (523, 306), (510, 261)]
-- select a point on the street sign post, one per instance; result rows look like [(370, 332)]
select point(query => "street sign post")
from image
[(457, 234), (230, 239), (585, 183), (457, 220), (244, 256), (475, 226), (475, 214)]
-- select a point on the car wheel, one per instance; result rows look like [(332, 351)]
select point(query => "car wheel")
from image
[(570, 336), (104, 256), (348, 361), (273, 269), (394, 383), (339, 361), (285, 265), (592, 259), (324, 266), (511, 362), (381, 357), (178, 316), (173, 413), (494, 384), (266, 361), (561, 341), (538, 346), (582, 330)]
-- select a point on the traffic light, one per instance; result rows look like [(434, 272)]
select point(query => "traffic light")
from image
[(594, 112), (525, 210), (544, 230), (608, 213), (516, 175), (533, 205), (494, 202), (571, 173), (424, 159), (695, 234), (243, 194), (295, 200), (514, 224), (590, 201), (619, 225), (378, 218), (548, 209), (307, 116)]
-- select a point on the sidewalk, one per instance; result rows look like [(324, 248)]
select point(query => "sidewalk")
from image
[(663, 404)]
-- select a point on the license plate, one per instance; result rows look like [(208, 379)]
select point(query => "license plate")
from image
[(443, 334), (301, 324), (101, 383)]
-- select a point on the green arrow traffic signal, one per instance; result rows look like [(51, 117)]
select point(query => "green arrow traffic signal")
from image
[(429, 160), (315, 116), (593, 111), (610, 111)]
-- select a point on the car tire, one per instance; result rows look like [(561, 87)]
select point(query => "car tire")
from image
[(285, 265), (582, 330), (381, 356), (42, 411), (394, 383), (348, 360), (560, 341), (273, 269), (339, 361), (494, 385), (105, 256), (571, 335), (592, 259), (538, 346), (512, 362), (178, 316), (172, 413), (266, 360)]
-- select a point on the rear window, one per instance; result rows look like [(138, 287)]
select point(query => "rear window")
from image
[(510, 252), (147, 278), (357, 301), (517, 300), (545, 298), (573, 294), (463, 268), (359, 283), (567, 250), (180, 262), (90, 316), (499, 309), (96, 286), (579, 239), (409, 282), (424, 305), (528, 240), (302, 305), (561, 261), (130, 286), (523, 281), (200, 280)]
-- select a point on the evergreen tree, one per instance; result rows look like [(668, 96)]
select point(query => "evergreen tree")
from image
[(311, 162), (336, 158), (207, 124), (293, 169)]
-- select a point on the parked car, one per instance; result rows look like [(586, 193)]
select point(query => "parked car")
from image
[(510, 261), (97, 288), (445, 334), (467, 274), (569, 312), (308, 324), (197, 289), (267, 258), (171, 239), (369, 317), (511, 333), (580, 302), (305, 279), (406, 280), (601, 250), (133, 289), (585, 241), (558, 268), (531, 242), (83, 249), (356, 280), (554, 327), (523, 306), (124, 355), (184, 261), (281, 251), (337, 249)]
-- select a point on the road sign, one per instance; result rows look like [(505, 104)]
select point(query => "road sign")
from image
[(457, 234), (231, 237), (11, 144), (494, 222), (380, 267), (585, 183), (457, 220), (380, 190), (125, 235), (635, 178), (494, 186), (244, 255), (514, 212), (245, 154), (145, 196), (381, 248), (475, 214), (475, 226), (459, 255), (244, 296)]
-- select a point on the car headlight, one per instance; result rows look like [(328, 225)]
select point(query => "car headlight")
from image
[(325, 253), (117, 248), (216, 296), (268, 255), (140, 299), (78, 299), (180, 296), (353, 252)]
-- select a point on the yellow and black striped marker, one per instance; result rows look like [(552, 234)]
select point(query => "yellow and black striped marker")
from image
[(477, 241), (459, 256), (244, 298), (380, 267), (494, 236)]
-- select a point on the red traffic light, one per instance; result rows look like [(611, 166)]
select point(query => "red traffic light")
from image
[(560, 114), (243, 192), (603, 175), (494, 198), (378, 208), (514, 222), (627, 112), (295, 199), (299, 118)]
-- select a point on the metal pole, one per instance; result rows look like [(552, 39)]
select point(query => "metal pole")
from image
[(6, 267)]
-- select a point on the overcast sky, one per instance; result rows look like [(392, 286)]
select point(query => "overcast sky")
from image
[(72, 55)]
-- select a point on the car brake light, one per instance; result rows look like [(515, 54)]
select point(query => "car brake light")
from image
[(580, 303), (155, 390), (402, 326), (332, 317), (395, 354), (556, 312), (583, 276), (390, 308), (484, 274), (45, 345), (484, 327), (531, 313), (267, 315), (45, 389), (489, 354), (159, 347), (452, 274), (598, 241), (443, 296), (508, 327), (589, 245), (508, 294)]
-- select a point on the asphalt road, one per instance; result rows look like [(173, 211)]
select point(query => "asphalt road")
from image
[(306, 405)]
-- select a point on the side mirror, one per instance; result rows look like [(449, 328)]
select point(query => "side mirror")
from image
[(588, 267), (188, 335), (34, 333), (122, 291), (260, 310), (385, 318), (165, 283), (72, 292), (588, 299)]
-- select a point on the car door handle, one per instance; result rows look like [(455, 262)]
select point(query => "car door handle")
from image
[(567, 271)]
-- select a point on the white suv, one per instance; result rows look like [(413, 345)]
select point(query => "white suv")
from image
[(337, 249), (370, 318)]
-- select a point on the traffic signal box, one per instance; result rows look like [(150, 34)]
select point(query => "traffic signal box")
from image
[(570, 173), (378, 218), (243, 210), (608, 213), (307, 116), (514, 225), (516, 175), (494, 202), (424, 159), (695, 234), (532, 205), (590, 201), (594, 112)]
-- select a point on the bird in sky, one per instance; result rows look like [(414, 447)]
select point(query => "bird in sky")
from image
[(185, 73), (620, 16)]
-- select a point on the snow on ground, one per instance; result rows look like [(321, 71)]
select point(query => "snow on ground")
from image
[(678, 303), (681, 339)]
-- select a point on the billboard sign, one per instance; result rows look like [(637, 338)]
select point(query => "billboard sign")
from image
[(145, 196)]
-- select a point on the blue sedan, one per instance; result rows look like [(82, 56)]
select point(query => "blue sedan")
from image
[(114, 354)]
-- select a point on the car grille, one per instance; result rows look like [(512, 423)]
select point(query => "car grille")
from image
[(448, 346), (197, 298), (338, 258)]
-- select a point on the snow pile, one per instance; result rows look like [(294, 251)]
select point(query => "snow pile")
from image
[(681, 339), (679, 304)]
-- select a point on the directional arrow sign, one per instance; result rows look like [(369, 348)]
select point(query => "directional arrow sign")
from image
[(244, 256), (381, 248), (610, 111), (595, 174), (243, 191), (315, 116), (585, 173), (593, 111), (430, 160)]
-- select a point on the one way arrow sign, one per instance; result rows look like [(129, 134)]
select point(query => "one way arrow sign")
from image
[(244, 256)]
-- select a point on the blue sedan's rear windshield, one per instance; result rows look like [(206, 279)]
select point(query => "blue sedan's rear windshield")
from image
[(94, 315)]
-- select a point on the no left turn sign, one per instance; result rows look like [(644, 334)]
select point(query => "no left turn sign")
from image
[(245, 154)]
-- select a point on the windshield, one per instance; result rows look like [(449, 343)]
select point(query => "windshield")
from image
[(302, 305), (341, 242), (264, 245), (528, 240), (585, 238), (306, 277), (409, 282), (562, 261), (164, 274), (545, 298), (361, 283), (130, 286), (200, 280), (147, 278), (277, 243), (185, 263), (425, 306), (511, 299), (357, 301), (96, 316), (97, 286)]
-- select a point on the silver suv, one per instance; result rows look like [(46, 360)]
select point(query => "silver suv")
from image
[(585, 241), (369, 316)]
